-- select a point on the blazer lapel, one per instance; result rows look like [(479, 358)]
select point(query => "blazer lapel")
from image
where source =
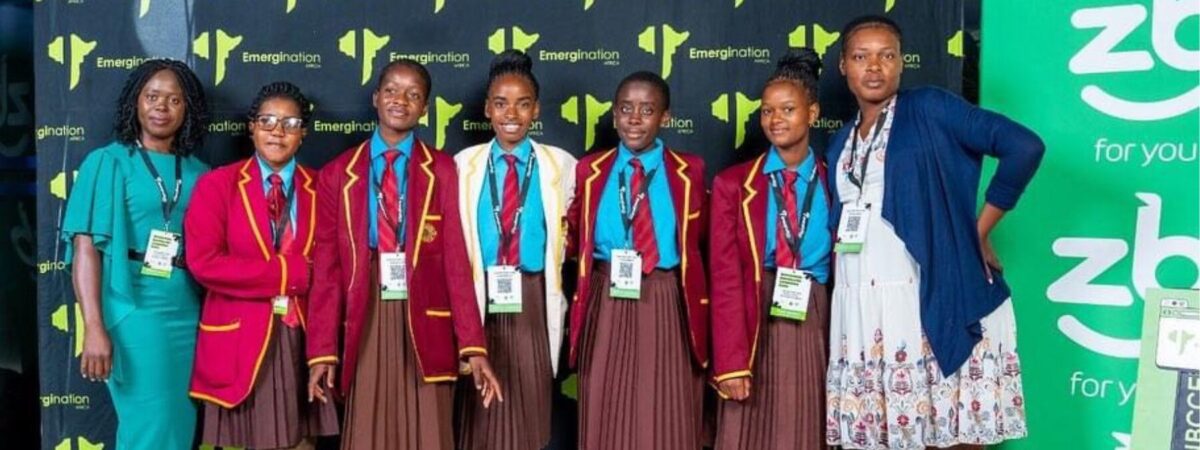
[(754, 210), (421, 182), (593, 188), (306, 209), (354, 208), (255, 204)]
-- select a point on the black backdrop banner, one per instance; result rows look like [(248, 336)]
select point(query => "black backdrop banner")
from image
[(714, 54)]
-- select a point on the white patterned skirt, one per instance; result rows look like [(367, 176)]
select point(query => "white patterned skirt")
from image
[(884, 388)]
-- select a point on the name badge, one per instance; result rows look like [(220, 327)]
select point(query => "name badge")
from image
[(393, 276), (1178, 343), (852, 229), (160, 252), (503, 290), (792, 290), (279, 305), (625, 275)]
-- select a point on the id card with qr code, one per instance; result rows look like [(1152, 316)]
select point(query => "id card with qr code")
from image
[(625, 275), (393, 276), (503, 290)]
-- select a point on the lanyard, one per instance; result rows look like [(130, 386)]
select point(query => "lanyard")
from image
[(627, 210), (279, 226), (506, 236), (168, 204), (793, 239), (873, 141), (397, 224)]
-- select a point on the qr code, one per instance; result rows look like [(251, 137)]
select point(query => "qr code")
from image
[(852, 222), (625, 270), (396, 271), (504, 286)]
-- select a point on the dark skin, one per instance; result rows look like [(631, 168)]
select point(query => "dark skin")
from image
[(161, 109), (872, 63), (512, 107), (786, 115), (400, 101), (277, 146), (639, 114)]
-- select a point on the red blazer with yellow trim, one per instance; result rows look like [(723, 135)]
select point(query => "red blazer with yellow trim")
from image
[(443, 316), (686, 180), (229, 251), (736, 229)]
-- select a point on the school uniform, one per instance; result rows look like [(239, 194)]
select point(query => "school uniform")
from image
[(524, 339), (640, 360), (249, 234), (398, 358), (781, 348)]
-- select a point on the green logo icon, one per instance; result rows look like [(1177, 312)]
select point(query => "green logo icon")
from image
[(371, 44), (59, 51), (80, 442), (59, 319), (742, 109), (888, 5), (593, 110), (518, 39), (443, 113), (291, 4), (438, 5), (671, 40), (143, 8), (224, 45), (821, 38), (954, 46)]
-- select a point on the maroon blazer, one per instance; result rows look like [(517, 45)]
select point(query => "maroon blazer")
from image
[(444, 320), (737, 227), (686, 180), (229, 251)]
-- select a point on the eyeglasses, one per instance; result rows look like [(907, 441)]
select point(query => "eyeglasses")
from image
[(626, 110), (268, 122)]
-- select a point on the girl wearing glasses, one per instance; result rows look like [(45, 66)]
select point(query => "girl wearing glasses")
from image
[(514, 195), (639, 321), (770, 304), (249, 240), (123, 229)]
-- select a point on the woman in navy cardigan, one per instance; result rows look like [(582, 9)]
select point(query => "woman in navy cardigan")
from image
[(923, 336)]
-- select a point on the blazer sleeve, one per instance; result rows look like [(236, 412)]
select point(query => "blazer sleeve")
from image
[(216, 267), (1018, 149), (468, 327), (326, 302), (730, 339)]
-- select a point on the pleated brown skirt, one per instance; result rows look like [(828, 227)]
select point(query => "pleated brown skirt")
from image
[(277, 414), (638, 386), (389, 406), (786, 408), (519, 351)]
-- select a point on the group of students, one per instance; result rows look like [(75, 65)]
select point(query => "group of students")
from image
[(860, 307)]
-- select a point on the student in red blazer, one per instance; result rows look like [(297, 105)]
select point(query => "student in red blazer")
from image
[(250, 230), (770, 351), (399, 358), (640, 360)]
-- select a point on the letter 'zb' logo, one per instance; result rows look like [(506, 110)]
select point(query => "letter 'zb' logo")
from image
[(223, 45), (671, 40), (1116, 23), (742, 109), (443, 113), (593, 110), (517, 39), (70, 52), (372, 43)]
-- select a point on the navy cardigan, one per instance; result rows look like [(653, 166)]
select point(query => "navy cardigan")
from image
[(931, 181)]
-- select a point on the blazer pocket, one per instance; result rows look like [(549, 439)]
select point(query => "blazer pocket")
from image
[(438, 312), (218, 328), (693, 215), (215, 344)]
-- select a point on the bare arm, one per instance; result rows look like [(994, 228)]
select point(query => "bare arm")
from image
[(96, 362)]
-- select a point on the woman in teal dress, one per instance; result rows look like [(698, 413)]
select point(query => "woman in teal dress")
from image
[(123, 224)]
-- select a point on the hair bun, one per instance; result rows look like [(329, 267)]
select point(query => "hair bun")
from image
[(512, 60), (802, 59)]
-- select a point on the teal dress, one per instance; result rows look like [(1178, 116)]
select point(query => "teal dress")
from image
[(151, 321)]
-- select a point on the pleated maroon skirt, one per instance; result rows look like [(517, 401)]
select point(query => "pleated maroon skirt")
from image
[(786, 407), (638, 386)]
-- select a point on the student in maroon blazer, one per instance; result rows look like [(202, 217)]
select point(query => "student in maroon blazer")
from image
[(640, 358), (391, 202)]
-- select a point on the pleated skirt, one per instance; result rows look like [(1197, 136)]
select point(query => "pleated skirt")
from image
[(519, 352), (638, 386), (277, 414), (390, 406), (786, 407)]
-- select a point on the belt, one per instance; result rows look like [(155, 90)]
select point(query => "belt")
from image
[(177, 261)]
